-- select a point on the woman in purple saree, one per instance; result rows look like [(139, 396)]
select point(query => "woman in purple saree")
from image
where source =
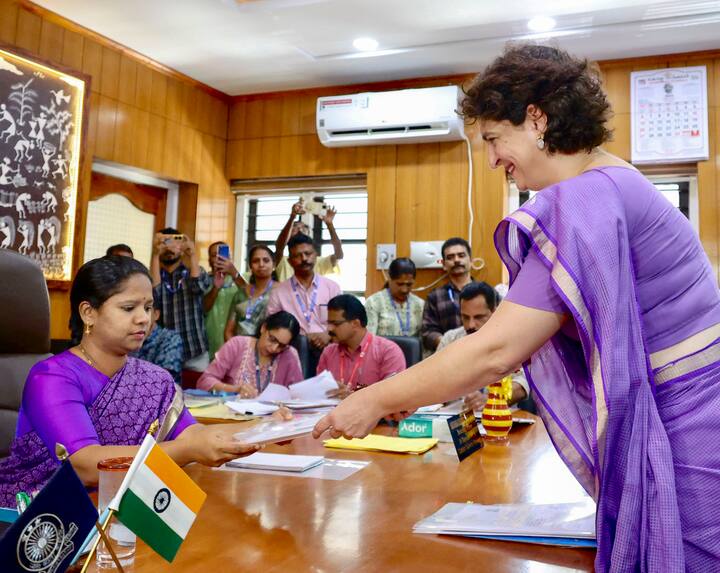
[(98, 402), (613, 309)]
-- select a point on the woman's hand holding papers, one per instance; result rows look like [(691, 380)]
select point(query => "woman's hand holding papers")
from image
[(213, 445)]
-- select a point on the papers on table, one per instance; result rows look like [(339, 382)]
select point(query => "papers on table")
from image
[(278, 431), (252, 407), (374, 442), (219, 412), (331, 469), (314, 388), (567, 524), (277, 462), (201, 402), (308, 394)]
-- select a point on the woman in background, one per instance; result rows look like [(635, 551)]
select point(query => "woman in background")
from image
[(97, 401), (613, 308), (250, 304), (247, 365), (395, 311)]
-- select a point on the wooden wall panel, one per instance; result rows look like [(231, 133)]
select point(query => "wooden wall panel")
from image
[(136, 118), (419, 192)]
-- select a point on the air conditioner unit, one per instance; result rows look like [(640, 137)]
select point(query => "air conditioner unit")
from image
[(379, 118)]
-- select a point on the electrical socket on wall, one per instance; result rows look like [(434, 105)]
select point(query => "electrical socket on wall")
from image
[(386, 254)]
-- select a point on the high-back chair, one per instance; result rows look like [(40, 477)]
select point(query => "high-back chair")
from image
[(24, 334), (410, 346)]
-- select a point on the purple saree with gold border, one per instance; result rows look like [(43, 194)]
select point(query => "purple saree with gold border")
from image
[(634, 426)]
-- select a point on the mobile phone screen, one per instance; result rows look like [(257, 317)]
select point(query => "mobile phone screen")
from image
[(224, 251)]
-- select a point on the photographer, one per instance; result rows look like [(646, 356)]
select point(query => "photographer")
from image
[(324, 265), (179, 283)]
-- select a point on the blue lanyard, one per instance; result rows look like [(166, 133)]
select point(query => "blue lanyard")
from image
[(252, 306), (167, 281), (404, 328), (307, 312), (268, 377), (451, 294)]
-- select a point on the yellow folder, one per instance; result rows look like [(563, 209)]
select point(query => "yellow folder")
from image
[(218, 412), (374, 442)]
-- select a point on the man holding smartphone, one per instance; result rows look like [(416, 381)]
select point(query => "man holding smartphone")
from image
[(179, 283), (324, 265), (219, 297)]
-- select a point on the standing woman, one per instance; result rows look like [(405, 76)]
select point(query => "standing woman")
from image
[(395, 311), (250, 305), (248, 365), (613, 309), (97, 401)]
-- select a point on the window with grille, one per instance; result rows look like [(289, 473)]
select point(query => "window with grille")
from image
[(680, 190), (263, 216)]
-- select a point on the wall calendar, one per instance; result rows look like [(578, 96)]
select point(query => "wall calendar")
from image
[(669, 115)]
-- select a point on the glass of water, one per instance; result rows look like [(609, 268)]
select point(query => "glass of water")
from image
[(111, 474)]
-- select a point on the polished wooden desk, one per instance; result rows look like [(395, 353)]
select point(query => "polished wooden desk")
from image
[(264, 523)]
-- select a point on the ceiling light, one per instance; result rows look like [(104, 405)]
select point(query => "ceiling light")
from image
[(541, 23), (365, 44)]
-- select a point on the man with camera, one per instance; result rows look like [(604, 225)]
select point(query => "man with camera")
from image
[(179, 283), (323, 265)]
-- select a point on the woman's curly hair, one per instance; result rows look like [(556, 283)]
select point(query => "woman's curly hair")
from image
[(565, 88)]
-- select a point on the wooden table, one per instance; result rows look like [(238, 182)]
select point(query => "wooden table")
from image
[(265, 523)]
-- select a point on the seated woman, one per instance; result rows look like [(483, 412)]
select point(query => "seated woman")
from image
[(249, 307), (247, 365), (395, 311), (97, 401)]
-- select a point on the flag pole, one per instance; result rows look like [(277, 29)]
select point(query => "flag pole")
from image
[(62, 454)]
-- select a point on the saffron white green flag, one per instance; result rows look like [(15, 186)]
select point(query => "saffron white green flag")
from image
[(157, 500)]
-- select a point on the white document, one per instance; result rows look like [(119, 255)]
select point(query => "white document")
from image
[(279, 462), (274, 393), (251, 407), (278, 431), (331, 469), (314, 388), (575, 520)]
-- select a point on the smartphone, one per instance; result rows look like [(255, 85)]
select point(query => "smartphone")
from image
[(316, 208), (171, 238), (224, 251)]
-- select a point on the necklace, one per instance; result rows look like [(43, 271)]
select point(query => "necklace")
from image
[(87, 356)]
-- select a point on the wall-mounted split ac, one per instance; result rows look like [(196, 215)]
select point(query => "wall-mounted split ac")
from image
[(378, 118)]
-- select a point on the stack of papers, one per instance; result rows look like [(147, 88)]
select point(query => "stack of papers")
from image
[(561, 524), (252, 407), (278, 431), (374, 442), (277, 462), (219, 412), (315, 388)]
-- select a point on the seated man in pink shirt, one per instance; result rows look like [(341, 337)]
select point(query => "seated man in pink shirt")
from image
[(356, 357)]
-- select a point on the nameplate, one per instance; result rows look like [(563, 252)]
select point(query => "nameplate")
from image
[(465, 434), (416, 427)]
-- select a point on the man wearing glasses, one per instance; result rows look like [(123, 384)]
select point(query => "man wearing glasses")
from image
[(356, 358)]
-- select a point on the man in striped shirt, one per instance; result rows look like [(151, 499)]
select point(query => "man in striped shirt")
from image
[(179, 283)]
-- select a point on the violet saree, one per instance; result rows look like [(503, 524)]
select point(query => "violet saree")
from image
[(121, 414), (638, 429)]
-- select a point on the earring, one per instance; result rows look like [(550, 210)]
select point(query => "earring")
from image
[(88, 329), (540, 142)]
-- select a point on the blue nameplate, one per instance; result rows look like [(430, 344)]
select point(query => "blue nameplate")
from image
[(465, 434)]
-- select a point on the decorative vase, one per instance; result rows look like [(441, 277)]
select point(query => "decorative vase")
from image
[(496, 415)]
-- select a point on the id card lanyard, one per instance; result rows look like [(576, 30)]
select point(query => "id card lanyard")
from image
[(306, 312), (404, 328), (357, 363), (253, 305)]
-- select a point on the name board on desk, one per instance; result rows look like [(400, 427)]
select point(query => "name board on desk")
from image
[(465, 434)]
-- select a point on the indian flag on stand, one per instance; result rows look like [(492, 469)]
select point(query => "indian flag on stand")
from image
[(157, 500)]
